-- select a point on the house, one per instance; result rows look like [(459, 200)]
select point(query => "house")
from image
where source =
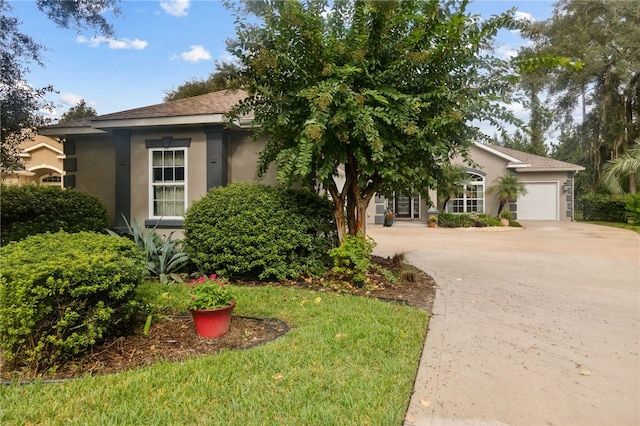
[(152, 163), (549, 184), (43, 158)]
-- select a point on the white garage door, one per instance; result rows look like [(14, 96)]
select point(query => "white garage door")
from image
[(540, 203)]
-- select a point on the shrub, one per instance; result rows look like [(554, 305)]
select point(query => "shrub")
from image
[(448, 220), (164, 256), (62, 293), (632, 207), (30, 210), (352, 258), (247, 230), (489, 221), (608, 208)]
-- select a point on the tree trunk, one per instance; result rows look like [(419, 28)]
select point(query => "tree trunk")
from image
[(338, 203)]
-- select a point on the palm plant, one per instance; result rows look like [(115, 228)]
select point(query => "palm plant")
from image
[(626, 166), (506, 188), (451, 183)]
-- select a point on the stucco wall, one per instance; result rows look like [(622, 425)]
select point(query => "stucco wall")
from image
[(95, 172), (243, 159)]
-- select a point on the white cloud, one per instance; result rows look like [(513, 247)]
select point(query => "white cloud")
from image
[(196, 54), (524, 16), (175, 7), (70, 98), (505, 52), (125, 43)]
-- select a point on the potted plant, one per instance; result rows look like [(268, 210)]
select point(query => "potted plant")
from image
[(505, 217), (388, 219), (433, 221), (210, 304)]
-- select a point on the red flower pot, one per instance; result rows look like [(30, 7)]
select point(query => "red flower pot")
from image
[(212, 322)]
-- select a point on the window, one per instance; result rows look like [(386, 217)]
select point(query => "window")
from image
[(53, 180), (168, 173), (471, 199)]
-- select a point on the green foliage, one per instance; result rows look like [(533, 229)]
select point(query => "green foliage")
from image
[(223, 78), (448, 220), (352, 259), (76, 112), (632, 207), (209, 293), (506, 214), (387, 88), (164, 256), (489, 221), (506, 188), (62, 293), (608, 208), (250, 230), (30, 210)]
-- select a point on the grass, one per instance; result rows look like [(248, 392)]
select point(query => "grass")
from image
[(630, 226), (347, 361)]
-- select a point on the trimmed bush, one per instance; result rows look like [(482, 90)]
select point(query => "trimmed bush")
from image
[(30, 210), (448, 220), (62, 293), (257, 231), (607, 208)]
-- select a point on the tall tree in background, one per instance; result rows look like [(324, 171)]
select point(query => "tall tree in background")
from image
[(384, 89), (20, 102), (224, 77), (604, 35), (81, 110)]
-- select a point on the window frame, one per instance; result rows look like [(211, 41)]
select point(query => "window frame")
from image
[(467, 201), (153, 185)]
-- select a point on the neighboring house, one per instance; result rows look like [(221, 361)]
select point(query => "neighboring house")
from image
[(152, 163), (43, 163)]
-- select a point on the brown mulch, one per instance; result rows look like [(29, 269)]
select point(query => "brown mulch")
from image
[(173, 339)]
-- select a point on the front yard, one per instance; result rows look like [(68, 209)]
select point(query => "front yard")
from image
[(346, 360)]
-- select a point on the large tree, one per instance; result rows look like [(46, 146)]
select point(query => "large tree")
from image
[(604, 35), (224, 77), (21, 103), (78, 111), (386, 90)]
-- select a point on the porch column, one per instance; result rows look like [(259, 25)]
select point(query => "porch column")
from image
[(123, 176), (217, 156)]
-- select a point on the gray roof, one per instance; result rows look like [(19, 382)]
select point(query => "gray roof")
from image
[(211, 103), (535, 161)]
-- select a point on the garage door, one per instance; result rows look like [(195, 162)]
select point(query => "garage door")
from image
[(540, 203)]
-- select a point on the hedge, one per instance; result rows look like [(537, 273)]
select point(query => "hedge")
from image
[(31, 209), (604, 207), (62, 293), (258, 231)]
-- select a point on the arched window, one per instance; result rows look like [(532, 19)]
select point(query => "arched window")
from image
[(471, 199), (52, 180)]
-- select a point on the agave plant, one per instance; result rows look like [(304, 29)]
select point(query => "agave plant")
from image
[(164, 255)]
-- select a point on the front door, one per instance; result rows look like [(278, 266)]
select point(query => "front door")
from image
[(403, 206)]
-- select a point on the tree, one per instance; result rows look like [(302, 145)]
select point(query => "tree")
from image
[(506, 188), (225, 77), (604, 35), (20, 102), (625, 166), (451, 182), (81, 110), (384, 89)]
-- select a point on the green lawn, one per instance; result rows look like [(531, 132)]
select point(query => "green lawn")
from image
[(347, 361), (630, 226)]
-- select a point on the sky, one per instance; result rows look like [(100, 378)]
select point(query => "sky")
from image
[(160, 44)]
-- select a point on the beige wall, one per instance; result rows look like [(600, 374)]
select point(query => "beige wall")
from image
[(96, 157), (39, 161), (242, 167)]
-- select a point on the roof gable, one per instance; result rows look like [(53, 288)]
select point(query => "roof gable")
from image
[(531, 162)]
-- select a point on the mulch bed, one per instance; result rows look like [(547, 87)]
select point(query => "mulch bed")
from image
[(174, 339)]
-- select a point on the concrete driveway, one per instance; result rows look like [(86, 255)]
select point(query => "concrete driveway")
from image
[(538, 326)]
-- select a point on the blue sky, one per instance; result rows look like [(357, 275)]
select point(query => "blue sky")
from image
[(160, 44)]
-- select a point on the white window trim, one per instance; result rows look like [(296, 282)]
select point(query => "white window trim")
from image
[(151, 184), (465, 198)]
